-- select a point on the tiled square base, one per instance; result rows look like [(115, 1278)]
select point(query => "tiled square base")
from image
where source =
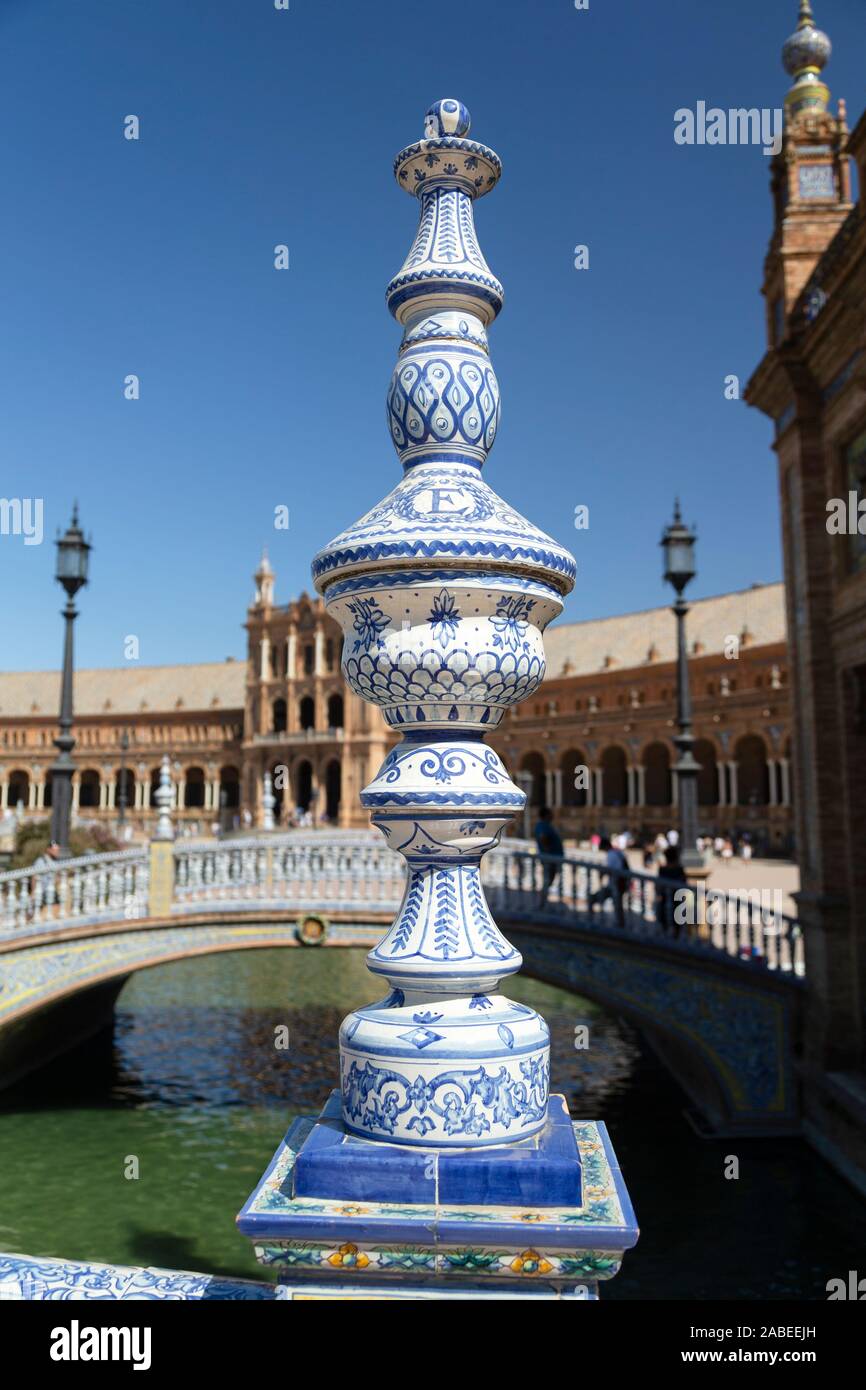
[(465, 1249), (543, 1171)]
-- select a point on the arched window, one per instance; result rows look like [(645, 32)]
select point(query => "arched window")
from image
[(533, 764), (193, 792), (657, 776), (304, 785), (307, 713), (614, 783), (332, 791), (753, 779), (88, 789), (279, 714), (124, 788), (571, 763), (335, 711), (19, 790), (230, 788)]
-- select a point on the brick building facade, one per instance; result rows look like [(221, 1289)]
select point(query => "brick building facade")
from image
[(811, 383), (606, 706)]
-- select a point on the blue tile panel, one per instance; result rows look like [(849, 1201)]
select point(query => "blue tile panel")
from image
[(36, 1279), (543, 1171), (444, 1242)]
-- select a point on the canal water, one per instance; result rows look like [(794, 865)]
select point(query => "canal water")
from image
[(191, 1084)]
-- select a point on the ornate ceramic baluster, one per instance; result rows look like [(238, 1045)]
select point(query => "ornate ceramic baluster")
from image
[(443, 591), (269, 801), (164, 798)]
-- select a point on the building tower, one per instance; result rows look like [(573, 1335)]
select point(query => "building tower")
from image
[(812, 385), (810, 178)]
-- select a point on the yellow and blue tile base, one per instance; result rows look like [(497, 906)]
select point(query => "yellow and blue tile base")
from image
[(341, 1217)]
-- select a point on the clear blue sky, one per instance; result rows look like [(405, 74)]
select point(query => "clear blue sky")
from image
[(261, 387)]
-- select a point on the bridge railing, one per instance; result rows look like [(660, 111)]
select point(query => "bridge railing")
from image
[(311, 871), (748, 925), (92, 888)]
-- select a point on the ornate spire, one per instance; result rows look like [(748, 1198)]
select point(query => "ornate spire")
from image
[(264, 578), (804, 55)]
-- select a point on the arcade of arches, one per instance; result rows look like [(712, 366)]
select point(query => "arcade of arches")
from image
[(595, 742)]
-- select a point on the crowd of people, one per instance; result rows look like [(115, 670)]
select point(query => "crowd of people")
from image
[(661, 854)]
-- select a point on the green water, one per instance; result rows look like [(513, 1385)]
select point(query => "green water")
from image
[(190, 1085)]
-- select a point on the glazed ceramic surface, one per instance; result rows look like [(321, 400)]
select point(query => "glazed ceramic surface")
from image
[(443, 592)]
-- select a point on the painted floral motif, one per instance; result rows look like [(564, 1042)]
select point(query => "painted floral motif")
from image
[(369, 622), (466, 1103), (348, 1257), (530, 1262), (511, 622), (444, 617)]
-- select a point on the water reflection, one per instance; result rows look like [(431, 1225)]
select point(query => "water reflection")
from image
[(192, 1083)]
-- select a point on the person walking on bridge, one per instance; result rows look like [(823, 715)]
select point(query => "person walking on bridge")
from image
[(549, 844)]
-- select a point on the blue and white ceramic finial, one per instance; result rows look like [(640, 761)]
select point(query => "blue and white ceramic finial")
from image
[(443, 592), (446, 117), (804, 56)]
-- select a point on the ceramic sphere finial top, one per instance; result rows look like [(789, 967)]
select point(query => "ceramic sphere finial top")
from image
[(804, 55), (446, 117), (808, 46)]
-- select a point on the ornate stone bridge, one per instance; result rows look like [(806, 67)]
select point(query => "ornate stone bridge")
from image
[(715, 982)]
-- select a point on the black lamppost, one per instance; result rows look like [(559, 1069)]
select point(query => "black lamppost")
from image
[(678, 544), (121, 798), (72, 556)]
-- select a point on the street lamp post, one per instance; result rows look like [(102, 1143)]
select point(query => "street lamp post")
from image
[(72, 559), (678, 544)]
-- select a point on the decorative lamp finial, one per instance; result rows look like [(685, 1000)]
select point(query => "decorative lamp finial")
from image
[(446, 117), (804, 55)]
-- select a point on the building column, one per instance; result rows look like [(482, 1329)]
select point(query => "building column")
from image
[(145, 791), (641, 785), (773, 780), (598, 774), (214, 785), (319, 653), (181, 791), (675, 788), (548, 787), (785, 769), (557, 786), (721, 785), (111, 789), (264, 657), (732, 769), (292, 657), (40, 796), (4, 795), (76, 787)]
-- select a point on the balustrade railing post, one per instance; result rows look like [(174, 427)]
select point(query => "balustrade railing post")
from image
[(161, 877)]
